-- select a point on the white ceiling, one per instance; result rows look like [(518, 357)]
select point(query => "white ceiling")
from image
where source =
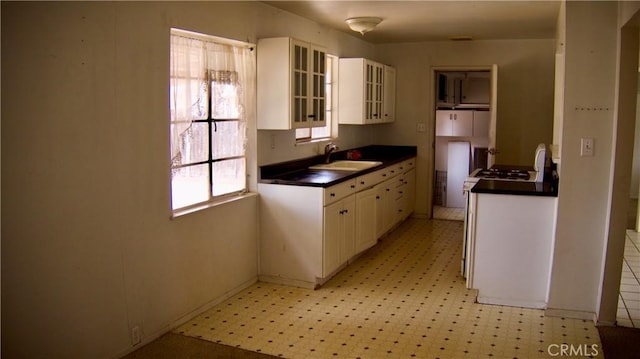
[(414, 21)]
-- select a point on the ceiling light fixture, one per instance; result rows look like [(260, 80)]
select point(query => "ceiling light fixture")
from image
[(363, 24)]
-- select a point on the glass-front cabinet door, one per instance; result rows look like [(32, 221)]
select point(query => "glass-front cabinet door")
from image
[(379, 90), (318, 96), (300, 84), (369, 85), (374, 91), (308, 75)]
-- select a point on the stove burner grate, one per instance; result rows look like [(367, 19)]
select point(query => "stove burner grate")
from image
[(503, 174)]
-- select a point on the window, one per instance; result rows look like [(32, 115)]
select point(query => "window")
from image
[(211, 93), (325, 132)]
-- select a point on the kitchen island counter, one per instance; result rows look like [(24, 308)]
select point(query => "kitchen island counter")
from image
[(519, 188), (510, 241)]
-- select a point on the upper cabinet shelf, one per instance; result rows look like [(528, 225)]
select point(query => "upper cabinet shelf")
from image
[(471, 89), (366, 92), (291, 84)]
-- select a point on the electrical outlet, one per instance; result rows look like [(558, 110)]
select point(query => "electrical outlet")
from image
[(421, 127), (586, 147), (135, 335)]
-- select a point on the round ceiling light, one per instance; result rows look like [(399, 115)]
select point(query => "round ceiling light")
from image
[(363, 24)]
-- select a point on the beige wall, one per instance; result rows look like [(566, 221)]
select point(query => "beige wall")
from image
[(594, 190), (525, 97), (88, 248)]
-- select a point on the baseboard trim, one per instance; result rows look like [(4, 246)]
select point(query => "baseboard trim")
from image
[(571, 314), (287, 281), (511, 302), (149, 337)]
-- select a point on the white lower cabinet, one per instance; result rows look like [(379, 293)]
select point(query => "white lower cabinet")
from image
[(510, 248), (366, 235), (405, 195), (339, 234), (309, 233), (384, 208)]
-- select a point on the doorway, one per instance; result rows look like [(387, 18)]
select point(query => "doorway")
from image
[(465, 122), (628, 311), (611, 307)]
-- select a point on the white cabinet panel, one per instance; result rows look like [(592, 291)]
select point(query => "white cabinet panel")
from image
[(365, 95), (333, 215), (339, 234), (481, 123), (389, 98), (454, 123), (384, 207), (512, 249), (291, 79), (365, 219)]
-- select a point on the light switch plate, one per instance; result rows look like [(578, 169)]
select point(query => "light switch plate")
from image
[(586, 147), (421, 127)]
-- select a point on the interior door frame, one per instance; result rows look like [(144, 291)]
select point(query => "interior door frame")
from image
[(493, 107)]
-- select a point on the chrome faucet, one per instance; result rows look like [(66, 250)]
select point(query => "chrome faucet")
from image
[(328, 149)]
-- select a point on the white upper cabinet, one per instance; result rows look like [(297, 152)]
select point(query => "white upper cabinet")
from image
[(389, 98), (454, 123), (481, 123), (366, 92), (291, 84)]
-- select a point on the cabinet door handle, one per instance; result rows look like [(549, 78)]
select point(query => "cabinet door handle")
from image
[(361, 182), (311, 116), (353, 186), (377, 197), (388, 190), (384, 175), (346, 211), (332, 194)]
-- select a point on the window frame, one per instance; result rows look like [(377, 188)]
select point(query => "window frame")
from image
[(212, 123)]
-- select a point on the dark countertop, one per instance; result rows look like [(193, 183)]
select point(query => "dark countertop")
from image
[(297, 172), (547, 188)]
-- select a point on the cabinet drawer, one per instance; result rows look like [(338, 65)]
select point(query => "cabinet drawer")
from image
[(371, 179), (339, 191), (407, 165), (393, 170)]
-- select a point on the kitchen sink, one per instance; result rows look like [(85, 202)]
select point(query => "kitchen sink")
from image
[(346, 165)]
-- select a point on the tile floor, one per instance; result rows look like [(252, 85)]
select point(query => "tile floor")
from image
[(448, 213), (629, 299), (403, 298)]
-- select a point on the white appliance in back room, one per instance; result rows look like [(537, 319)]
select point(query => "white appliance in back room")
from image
[(458, 159)]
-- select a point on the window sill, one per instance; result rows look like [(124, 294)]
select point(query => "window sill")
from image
[(216, 203), (315, 141)]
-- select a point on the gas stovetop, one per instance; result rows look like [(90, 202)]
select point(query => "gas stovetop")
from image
[(502, 175)]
